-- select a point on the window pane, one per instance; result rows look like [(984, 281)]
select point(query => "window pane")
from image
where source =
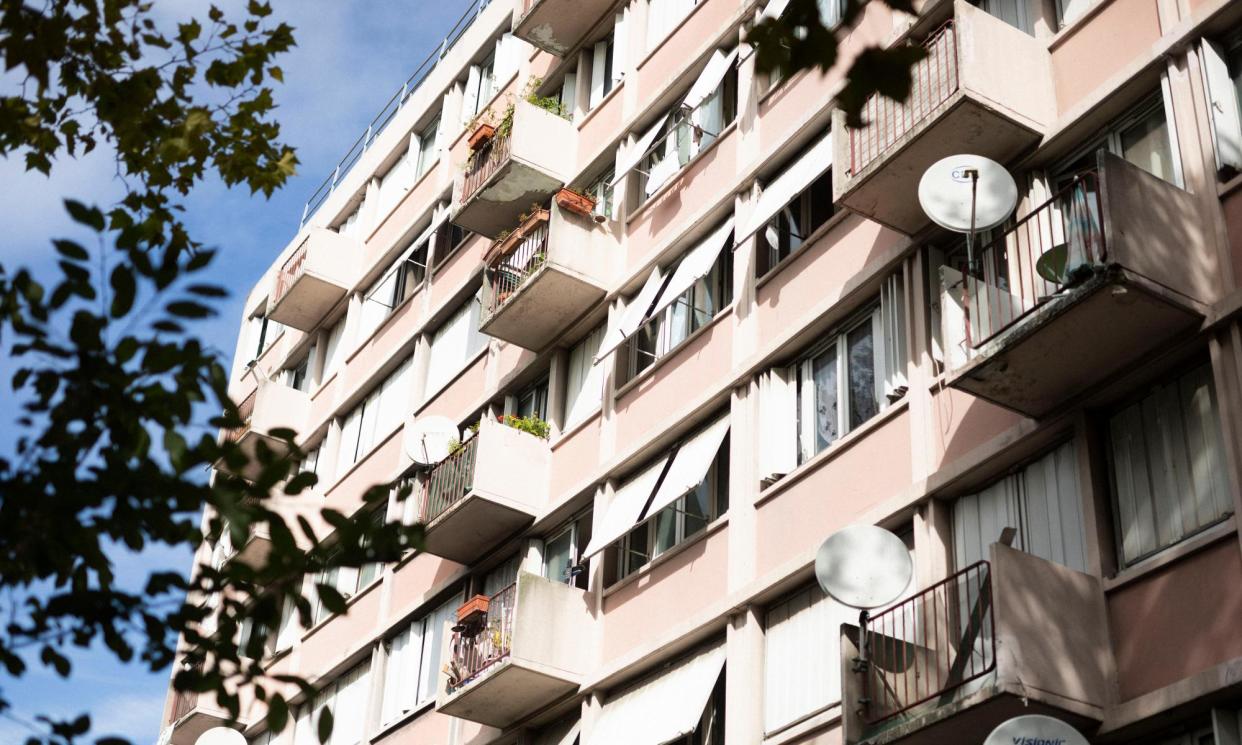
[(698, 506), (863, 403), (824, 374), (637, 554), (1146, 145), (666, 529), (557, 557)]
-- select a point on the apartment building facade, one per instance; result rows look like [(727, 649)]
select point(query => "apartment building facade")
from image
[(743, 334)]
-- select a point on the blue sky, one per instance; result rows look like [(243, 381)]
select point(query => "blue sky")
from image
[(351, 56)]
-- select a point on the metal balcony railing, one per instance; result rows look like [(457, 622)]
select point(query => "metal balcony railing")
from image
[(487, 160), (933, 80), (477, 649), (246, 411), (184, 702), (511, 270), (450, 480), (928, 646), (293, 268), (1028, 263), (471, 11)]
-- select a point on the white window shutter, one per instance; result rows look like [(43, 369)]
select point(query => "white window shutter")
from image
[(506, 58), (952, 319), (893, 331), (620, 45), (599, 71), (778, 422), (470, 100), (569, 93), (1223, 102)]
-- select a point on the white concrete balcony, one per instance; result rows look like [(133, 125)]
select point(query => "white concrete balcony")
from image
[(512, 171), (984, 88), (193, 714), (314, 279), (270, 407), (1115, 266), (550, 271), (558, 26), (493, 486), (529, 650), (1016, 635)]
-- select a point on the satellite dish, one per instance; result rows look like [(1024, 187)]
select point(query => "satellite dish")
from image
[(1035, 728), (221, 736), (955, 185), (427, 439), (863, 566)]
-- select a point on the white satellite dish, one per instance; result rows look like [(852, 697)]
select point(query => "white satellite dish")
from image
[(428, 438), (1035, 728), (967, 193), (863, 566), (221, 736)]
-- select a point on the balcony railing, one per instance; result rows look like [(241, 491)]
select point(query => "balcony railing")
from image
[(511, 269), (487, 160), (1029, 263), (450, 480), (184, 702), (245, 410), (930, 645), (292, 269), (477, 649), (933, 80)]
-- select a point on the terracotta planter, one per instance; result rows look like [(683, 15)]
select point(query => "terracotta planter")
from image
[(473, 611), (579, 204), (481, 136), (504, 245)]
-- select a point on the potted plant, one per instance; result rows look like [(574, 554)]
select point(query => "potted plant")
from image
[(481, 136), (473, 611), (579, 204)]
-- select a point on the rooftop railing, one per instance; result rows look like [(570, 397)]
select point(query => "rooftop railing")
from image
[(933, 80), (450, 480), (930, 645), (477, 649), (473, 8), (1029, 263)]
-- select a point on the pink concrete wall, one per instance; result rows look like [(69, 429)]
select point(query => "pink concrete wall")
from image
[(397, 330), (602, 127), (323, 400), (429, 727), (708, 180), (329, 644), (574, 458), (456, 399), (644, 409), (685, 43), (377, 467), (1102, 46), (962, 423), (1179, 620), (834, 493), (411, 207), (412, 580), (841, 254), (690, 582), (1232, 205), (459, 267), (829, 736)]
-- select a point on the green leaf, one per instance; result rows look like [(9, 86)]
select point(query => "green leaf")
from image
[(88, 216), (189, 309), (277, 713), (331, 598), (71, 250), (123, 290), (325, 724)]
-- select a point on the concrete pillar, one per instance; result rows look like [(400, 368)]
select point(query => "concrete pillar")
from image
[(1089, 447), (743, 485), (933, 542), (743, 676), (419, 368), (558, 372), (591, 707), (1226, 350), (532, 556)]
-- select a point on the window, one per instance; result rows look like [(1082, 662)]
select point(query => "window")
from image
[(659, 709), (601, 190), (310, 463), (784, 234), (346, 697), (347, 581), (350, 226), (252, 640), (1222, 82), (1167, 466), (1070, 10), (584, 383), (296, 377), (427, 149), (563, 553), (398, 282), (608, 62), (480, 85), (334, 352), (830, 12), (1041, 501), (1014, 12), (686, 517), (453, 345), (412, 668), (839, 384), (533, 402), (375, 418), (663, 16), (686, 133), (567, 94), (675, 321), (1142, 137), (263, 332), (449, 238)]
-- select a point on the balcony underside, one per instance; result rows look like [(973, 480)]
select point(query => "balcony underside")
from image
[(543, 307), (969, 718), (558, 26), (1068, 346), (498, 204), (306, 302), (513, 690), (190, 727), (886, 190), (473, 526)]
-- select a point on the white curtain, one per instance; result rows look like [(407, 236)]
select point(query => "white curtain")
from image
[(663, 16), (401, 673), (433, 642), (893, 326), (778, 422), (396, 183), (350, 706), (584, 383), (453, 344), (802, 657), (334, 349)]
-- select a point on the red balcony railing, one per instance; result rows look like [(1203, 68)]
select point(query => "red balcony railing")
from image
[(928, 646), (289, 273), (511, 269), (450, 480), (478, 648), (184, 702), (1029, 263), (487, 160), (245, 410), (933, 80)]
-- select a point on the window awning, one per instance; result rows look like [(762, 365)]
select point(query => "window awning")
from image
[(694, 266), (690, 465), (665, 707), (810, 166), (636, 153), (633, 315), (709, 80), (662, 172), (775, 8), (626, 508)]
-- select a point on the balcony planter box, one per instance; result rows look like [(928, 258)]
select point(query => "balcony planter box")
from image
[(481, 136), (473, 611), (504, 246), (579, 204)]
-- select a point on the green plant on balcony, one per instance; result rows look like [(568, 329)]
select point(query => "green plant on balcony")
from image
[(531, 425)]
